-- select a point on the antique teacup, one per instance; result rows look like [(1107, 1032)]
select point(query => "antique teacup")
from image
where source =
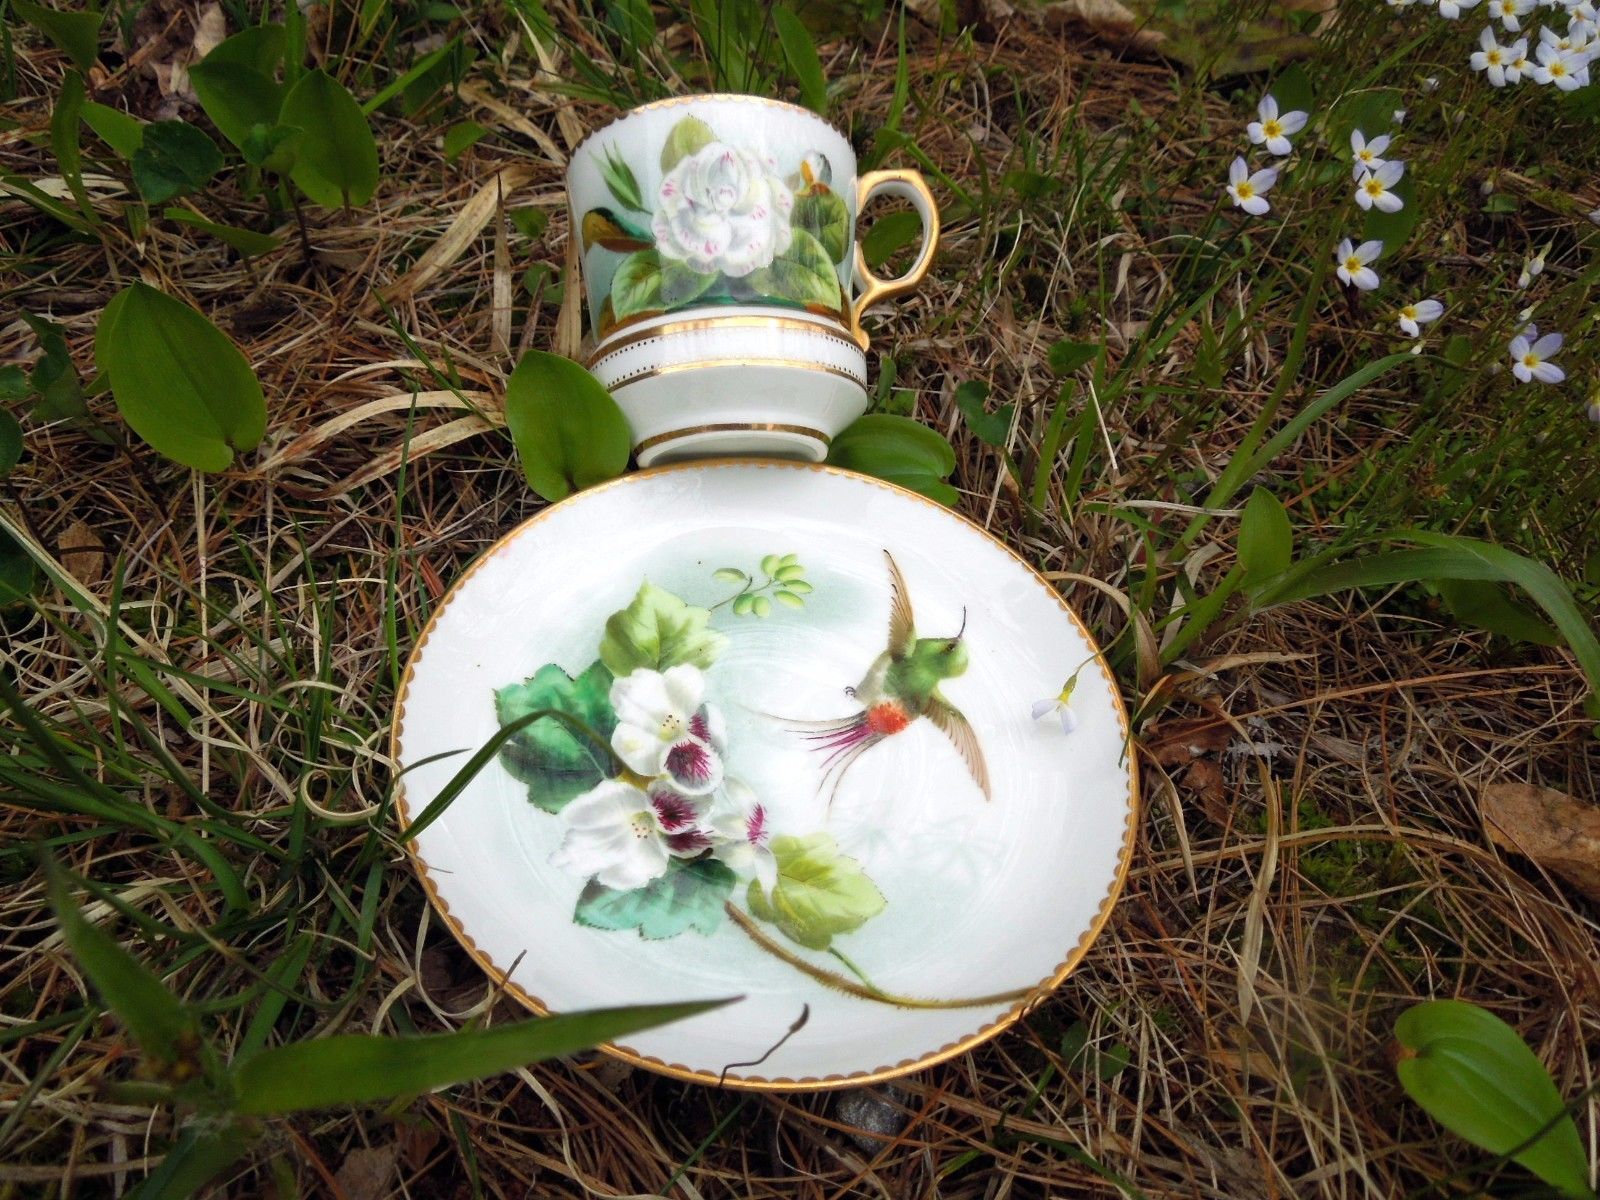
[(724, 283)]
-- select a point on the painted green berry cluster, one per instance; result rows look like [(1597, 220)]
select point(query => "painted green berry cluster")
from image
[(783, 580)]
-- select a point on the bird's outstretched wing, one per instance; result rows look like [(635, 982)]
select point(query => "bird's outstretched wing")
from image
[(959, 730), (902, 627)]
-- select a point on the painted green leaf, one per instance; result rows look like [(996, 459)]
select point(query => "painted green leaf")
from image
[(115, 128), (788, 599), (804, 274), (657, 630), (729, 575), (556, 762), (743, 605), (1475, 1075), (793, 571), (259, 47), (462, 135), (568, 431), (800, 50), (823, 215), (620, 181), (1266, 539), (991, 428), (174, 160), (688, 136), (761, 606), (820, 892), (10, 443), (76, 33), (356, 1068), (899, 450), (604, 228), (336, 158), (770, 564), (689, 896), (237, 98), (798, 586), (644, 282), (245, 241), (178, 380)]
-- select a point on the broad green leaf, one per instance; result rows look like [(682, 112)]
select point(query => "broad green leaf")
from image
[(14, 383), (336, 158), (164, 1029), (10, 443), (621, 182), (645, 283), (17, 575), (822, 214), (174, 160), (800, 50), (77, 33), (115, 128), (820, 892), (1066, 357), (990, 428), (270, 147), (530, 221), (203, 1150), (568, 431), (889, 234), (689, 136), (30, 193), (179, 381), (54, 377), (1292, 90), (259, 48), (460, 136), (1266, 539), (65, 129), (802, 274), (688, 896), (1474, 1074), (899, 450), (1480, 604), (237, 98), (245, 241), (556, 762), (360, 1069), (657, 631)]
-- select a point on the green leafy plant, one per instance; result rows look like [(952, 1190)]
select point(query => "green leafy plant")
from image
[(224, 1101), (568, 431), (783, 581), (1475, 1075), (900, 450), (990, 428), (77, 34), (173, 158), (179, 381)]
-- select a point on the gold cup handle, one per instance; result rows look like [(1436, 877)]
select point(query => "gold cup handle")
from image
[(907, 185)]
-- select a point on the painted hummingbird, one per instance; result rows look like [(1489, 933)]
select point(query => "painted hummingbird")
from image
[(901, 687)]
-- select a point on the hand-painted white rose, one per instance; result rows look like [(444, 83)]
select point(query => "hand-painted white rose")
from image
[(724, 209), (663, 728)]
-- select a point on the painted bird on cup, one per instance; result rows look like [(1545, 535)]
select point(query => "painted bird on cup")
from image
[(900, 688)]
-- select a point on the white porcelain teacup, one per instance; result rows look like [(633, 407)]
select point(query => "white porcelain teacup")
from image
[(724, 283)]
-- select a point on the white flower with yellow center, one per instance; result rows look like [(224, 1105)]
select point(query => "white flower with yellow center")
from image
[(1491, 57), (1414, 316), (1352, 264), (1364, 155), (1517, 64), (1273, 129), (1451, 9), (1249, 191), (1511, 12), (663, 728), (1531, 355), (1375, 188), (1568, 70), (1058, 704)]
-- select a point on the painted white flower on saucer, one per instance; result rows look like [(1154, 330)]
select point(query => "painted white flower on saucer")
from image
[(723, 208), (664, 728), (614, 835), (740, 829)]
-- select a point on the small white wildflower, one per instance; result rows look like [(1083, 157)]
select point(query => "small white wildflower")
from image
[(1352, 263), (1414, 316), (1595, 216), (1373, 188), (1365, 155), (1564, 68), (1273, 128), (1594, 410), (1416, 348), (1530, 359), (1510, 12), (1517, 64), (1451, 9), (1490, 57), (1431, 84), (1249, 191), (1399, 116), (1531, 269)]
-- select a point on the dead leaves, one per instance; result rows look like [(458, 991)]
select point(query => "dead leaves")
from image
[(1549, 827)]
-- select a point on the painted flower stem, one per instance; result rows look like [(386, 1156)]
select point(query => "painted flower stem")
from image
[(865, 991)]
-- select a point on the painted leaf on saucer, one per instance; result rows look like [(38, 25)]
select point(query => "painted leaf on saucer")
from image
[(548, 756), (820, 892), (689, 896)]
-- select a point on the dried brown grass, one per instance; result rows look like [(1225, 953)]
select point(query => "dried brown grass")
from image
[(1325, 868)]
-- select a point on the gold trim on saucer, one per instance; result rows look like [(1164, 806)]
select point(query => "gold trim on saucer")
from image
[(1037, 993), (732, 427), (703, 364), (824, 327)]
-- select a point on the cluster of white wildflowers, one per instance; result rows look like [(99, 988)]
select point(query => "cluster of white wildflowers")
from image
[(1562, 50), (1375, 177)]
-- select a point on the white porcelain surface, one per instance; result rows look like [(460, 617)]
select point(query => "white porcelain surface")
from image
[(980, 896)]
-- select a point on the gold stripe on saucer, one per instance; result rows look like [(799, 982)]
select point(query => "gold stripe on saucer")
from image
[(826, 327), (704, 364), (732, 427)]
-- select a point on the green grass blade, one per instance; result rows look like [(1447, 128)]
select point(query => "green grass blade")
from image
[(360, 1068), (198, 1156)]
